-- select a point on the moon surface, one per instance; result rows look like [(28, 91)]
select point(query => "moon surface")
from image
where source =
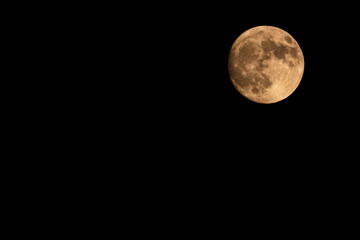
[(266, 64)]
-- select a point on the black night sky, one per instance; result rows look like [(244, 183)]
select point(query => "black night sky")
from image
[(144, 111), (174, 130)]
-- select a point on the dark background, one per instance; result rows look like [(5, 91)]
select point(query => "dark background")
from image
[(118, 109), (137, 102)]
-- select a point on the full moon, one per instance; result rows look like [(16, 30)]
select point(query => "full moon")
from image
[(266, 64)]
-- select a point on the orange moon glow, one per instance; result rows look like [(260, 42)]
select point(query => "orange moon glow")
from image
[(266, 64)]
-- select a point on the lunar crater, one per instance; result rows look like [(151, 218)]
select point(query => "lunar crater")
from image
[(288, 39)]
